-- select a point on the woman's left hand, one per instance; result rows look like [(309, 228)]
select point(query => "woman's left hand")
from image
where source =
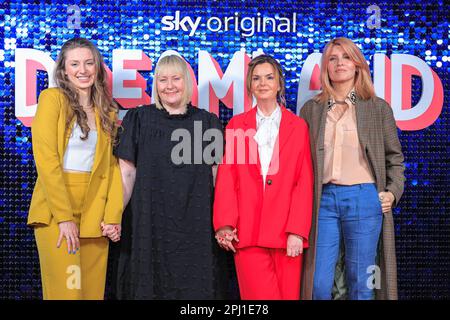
[(387, 200), (294, 246)]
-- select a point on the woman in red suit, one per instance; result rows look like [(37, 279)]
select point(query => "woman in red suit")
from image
[(264, 189)]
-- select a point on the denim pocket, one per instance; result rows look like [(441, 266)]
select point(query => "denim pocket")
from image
[(370, 204), (376, 199)]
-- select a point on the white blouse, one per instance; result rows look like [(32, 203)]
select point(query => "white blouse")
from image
[(266, 137), (79, 154)]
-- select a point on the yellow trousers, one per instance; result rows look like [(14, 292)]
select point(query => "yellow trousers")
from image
[(79, 276)]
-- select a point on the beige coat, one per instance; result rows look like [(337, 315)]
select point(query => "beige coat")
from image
[(378, 137)]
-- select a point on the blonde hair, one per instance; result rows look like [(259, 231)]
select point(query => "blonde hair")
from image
[(278, 74), (179, 65), (100, 93), (363, 82)]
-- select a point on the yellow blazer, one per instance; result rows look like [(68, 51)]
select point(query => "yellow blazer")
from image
[(104, 198)]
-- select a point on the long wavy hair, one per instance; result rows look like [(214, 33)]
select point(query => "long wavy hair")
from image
[(362, 82), (100, 94), (264, 58)]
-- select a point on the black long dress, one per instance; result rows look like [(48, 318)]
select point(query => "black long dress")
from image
[(167, 249)]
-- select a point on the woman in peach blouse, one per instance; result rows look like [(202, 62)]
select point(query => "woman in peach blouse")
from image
[(358, 179)]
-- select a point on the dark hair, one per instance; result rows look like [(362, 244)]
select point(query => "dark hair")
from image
[(278, 71)]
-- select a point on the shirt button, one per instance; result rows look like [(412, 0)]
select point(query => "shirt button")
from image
[(269, 182)]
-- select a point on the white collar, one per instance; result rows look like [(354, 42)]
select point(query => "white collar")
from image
[(274, 115)]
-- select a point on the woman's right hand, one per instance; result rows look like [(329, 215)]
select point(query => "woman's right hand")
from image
[(225, 237), (69, 230), (112, 231)]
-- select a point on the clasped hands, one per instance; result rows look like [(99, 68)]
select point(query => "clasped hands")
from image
[(226, 235), (69, 231), (112, 231)]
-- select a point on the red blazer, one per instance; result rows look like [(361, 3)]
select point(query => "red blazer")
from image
[(265, 217)]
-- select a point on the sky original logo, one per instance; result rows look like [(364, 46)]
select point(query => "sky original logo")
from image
[(247, 26)]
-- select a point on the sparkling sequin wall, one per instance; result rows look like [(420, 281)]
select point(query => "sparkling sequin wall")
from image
[(293, 32)]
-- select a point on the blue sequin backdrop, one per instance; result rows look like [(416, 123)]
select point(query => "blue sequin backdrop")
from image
[(415, 27)]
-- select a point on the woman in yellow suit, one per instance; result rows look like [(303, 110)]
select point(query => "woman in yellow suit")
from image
[(77, 199)]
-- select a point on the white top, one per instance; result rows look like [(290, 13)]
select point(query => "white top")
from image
[(266, 137), (79, 154)]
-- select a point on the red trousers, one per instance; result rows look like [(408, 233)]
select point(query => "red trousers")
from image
[(267, 274)]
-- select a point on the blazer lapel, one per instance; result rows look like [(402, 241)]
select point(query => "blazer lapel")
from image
[(320, 119), (284, 132), (101, 143), (250, 143), (319, 122), (68, 132), (363, 116), (286, 128)]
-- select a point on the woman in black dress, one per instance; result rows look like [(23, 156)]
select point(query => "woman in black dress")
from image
[(166, 153)]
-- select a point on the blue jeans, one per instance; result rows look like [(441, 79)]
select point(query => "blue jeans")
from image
[(353, 212)]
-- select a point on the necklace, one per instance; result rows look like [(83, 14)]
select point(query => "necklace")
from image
[(351, 96)]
